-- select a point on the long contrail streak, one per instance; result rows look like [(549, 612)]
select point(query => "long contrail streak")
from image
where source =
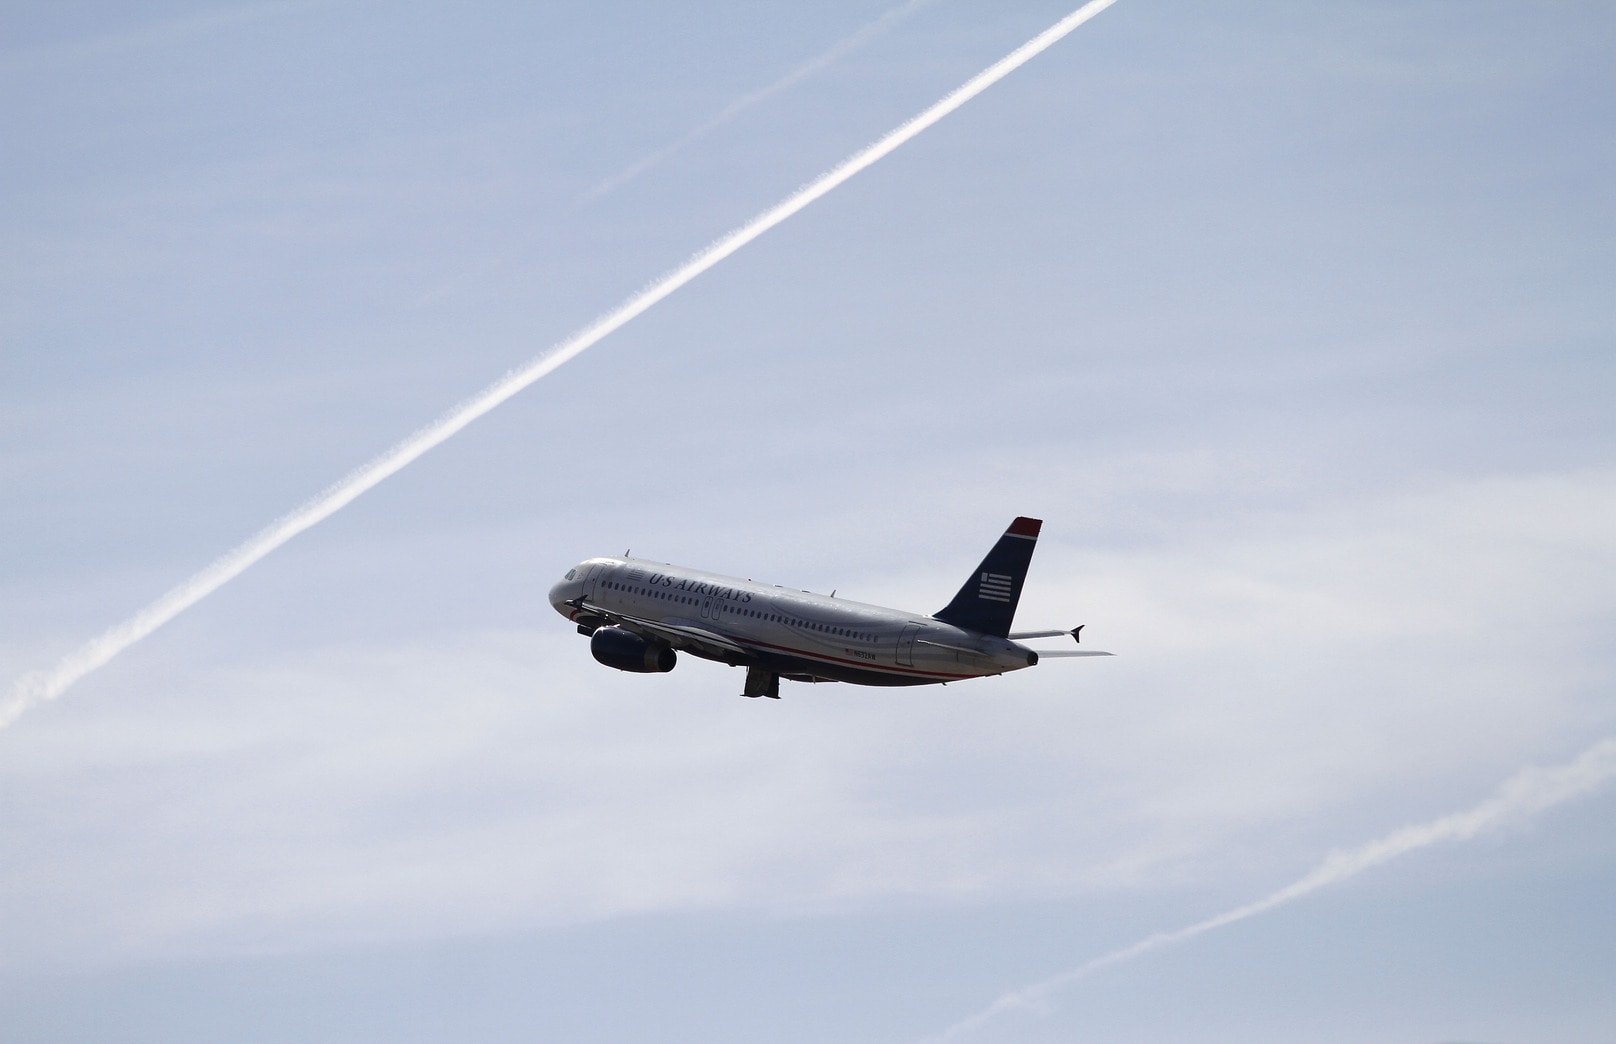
[(817, 64), (1526, 794), (39, 686)]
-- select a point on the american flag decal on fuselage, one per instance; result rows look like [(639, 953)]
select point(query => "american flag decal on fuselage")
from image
[(995, 587)]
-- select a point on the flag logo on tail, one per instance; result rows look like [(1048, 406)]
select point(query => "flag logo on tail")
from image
[(995, 587)]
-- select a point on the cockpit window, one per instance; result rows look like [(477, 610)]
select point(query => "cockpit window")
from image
[(571, 573)]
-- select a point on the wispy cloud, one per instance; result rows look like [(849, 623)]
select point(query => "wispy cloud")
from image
[(151, 37), (819, 63), (494, 781), (1527, 794)]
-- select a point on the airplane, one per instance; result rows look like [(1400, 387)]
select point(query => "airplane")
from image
[(638, 615)]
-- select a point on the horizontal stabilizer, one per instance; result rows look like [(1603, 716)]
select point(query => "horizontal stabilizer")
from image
[(1072, 633)]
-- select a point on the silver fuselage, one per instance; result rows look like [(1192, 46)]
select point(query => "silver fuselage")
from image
[(796, 634)]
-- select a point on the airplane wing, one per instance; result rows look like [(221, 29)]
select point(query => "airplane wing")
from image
[(680, 634)]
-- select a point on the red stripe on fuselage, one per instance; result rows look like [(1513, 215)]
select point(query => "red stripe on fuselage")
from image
[(863, 665)]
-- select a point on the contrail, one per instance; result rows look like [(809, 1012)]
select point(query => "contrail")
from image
[(1526, 794), (814, 65), (37, 687)]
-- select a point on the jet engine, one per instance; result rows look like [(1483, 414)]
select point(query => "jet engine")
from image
[(627, 651)]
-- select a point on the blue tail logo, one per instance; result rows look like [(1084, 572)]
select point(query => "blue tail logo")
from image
[(987, 602)]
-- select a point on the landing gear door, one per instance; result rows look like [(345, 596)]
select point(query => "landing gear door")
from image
[(906, 644)]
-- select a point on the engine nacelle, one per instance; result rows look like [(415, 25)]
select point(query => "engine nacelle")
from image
[(627, 651)]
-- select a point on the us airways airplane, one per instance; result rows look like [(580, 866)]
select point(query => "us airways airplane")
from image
[(637, 613)]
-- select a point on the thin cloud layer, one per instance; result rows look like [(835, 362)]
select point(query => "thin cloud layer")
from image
[(1530, 792), (506, 780), (812, 67)]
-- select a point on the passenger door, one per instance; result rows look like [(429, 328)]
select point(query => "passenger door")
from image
[(906, 644)]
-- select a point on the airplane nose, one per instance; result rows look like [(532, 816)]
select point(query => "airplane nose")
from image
[(560, 591)]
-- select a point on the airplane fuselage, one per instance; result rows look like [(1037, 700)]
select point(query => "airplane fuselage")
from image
[(794, 634)]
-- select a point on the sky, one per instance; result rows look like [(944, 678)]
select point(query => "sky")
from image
[(1291, 321)]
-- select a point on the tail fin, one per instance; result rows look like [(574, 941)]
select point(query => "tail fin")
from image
[(987, 602)]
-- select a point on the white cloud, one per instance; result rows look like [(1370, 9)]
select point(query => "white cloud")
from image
[(1311, 672)]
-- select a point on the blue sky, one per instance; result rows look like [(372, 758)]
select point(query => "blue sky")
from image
[(1292, 321)]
